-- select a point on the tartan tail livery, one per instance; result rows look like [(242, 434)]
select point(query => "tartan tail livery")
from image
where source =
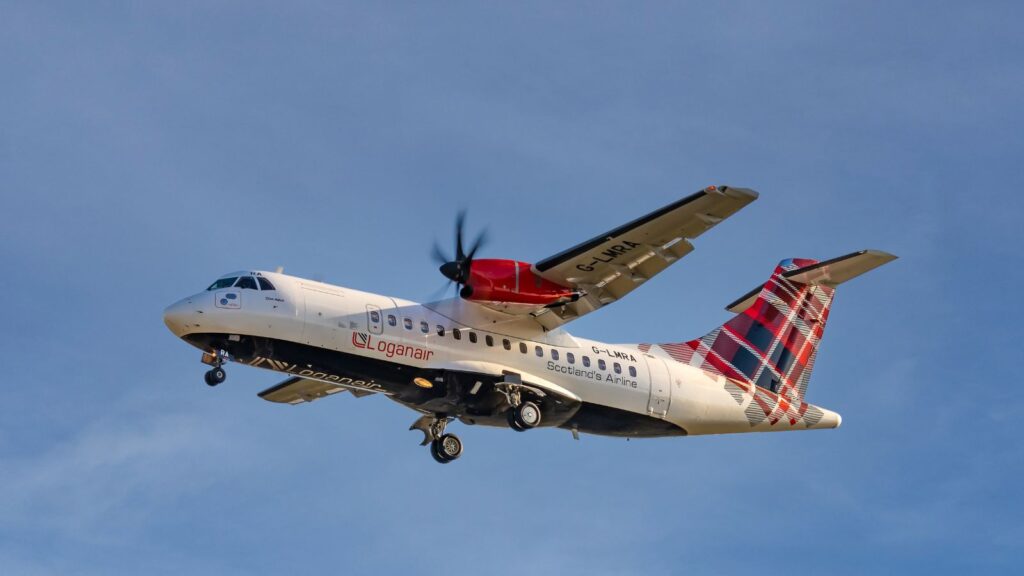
[(768, 349)]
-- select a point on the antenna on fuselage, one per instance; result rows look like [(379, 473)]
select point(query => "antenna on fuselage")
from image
[(279, 269)]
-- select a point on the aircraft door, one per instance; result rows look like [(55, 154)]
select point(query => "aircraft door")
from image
[(374, 319), (661, 387)]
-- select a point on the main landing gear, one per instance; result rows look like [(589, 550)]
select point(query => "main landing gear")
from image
[(216, 374), (443, 447), (523, 417), (523, 414)]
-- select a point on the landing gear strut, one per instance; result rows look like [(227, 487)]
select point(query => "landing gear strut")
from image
[(215, 375), (443, 447)]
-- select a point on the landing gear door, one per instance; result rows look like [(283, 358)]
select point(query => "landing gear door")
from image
[(661, 387), (374, 319)]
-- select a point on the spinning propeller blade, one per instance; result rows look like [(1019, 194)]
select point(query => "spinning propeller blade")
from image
[(457, 270)]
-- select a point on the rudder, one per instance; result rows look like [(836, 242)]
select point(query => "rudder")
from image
[(773, 340)]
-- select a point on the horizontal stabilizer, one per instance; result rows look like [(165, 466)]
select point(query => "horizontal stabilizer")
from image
[(830, 273)]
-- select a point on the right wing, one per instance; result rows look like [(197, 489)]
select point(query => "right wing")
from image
[(298, 390), (609, 266)]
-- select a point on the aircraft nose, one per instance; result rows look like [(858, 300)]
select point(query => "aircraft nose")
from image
[(177, 315)]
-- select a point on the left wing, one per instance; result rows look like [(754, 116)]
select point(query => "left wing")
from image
[(298, 390), (607, 267)]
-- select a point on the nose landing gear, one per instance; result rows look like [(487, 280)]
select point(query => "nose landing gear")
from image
[(216, 374)]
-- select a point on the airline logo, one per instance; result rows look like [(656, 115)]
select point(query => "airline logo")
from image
[(365, 341)]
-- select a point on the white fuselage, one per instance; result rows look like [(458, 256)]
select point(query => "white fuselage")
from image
[(456, 335)]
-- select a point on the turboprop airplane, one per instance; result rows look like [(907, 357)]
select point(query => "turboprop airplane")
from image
[(497, 354)]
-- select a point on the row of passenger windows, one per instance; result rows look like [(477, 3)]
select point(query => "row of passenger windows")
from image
[(457, 334)]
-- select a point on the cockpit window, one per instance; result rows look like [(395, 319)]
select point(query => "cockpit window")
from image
[(223, 283), (265, 284), (247, 282)]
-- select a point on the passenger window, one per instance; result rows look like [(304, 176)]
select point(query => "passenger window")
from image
[(489, 340), (618, 368), (632, 371), (506, 344), (223, 283), (540, 352), (554, 354), (407, 322), (522, 347), (392, 321), (601, 364), (247, 283), (570, 358), (264, 283), (586, 361), (424, 327), (440, 330), (374, 316), (456, 333), (472, 337)]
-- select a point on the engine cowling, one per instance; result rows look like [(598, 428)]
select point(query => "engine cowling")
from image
[(509, 282)]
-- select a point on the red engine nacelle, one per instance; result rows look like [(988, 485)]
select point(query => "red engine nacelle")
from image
[(508, 281)]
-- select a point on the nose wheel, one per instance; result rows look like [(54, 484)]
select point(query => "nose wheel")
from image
[(215, 376)]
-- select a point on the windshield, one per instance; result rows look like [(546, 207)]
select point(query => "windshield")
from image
[(223, 283)]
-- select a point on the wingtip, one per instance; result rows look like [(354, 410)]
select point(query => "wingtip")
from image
[(741, 193)]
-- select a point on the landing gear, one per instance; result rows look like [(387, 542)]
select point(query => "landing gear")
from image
[(215, 376), (524, 416), (446, 448), (443, 447)]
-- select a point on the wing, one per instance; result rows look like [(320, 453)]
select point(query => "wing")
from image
[(299, 390), (607, 267)]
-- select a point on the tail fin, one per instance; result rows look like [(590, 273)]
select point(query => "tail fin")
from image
[(773, 340)]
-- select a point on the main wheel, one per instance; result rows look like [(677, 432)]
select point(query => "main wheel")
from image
[(513, 422), (446, 448), (437, 455), (215, 376), (527, 415)]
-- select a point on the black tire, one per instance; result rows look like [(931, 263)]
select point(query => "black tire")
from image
[(449, 447), (513, 422), (214, 376), (527, 415), (438, 457)]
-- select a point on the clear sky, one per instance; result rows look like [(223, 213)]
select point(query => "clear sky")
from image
[(146, 149)]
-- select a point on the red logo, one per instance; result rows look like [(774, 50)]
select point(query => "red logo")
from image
[(360, 340)]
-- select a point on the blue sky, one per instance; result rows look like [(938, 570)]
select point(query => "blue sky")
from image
[(144, 150)]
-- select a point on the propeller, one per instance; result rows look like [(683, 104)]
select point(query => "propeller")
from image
[(457, 269)]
